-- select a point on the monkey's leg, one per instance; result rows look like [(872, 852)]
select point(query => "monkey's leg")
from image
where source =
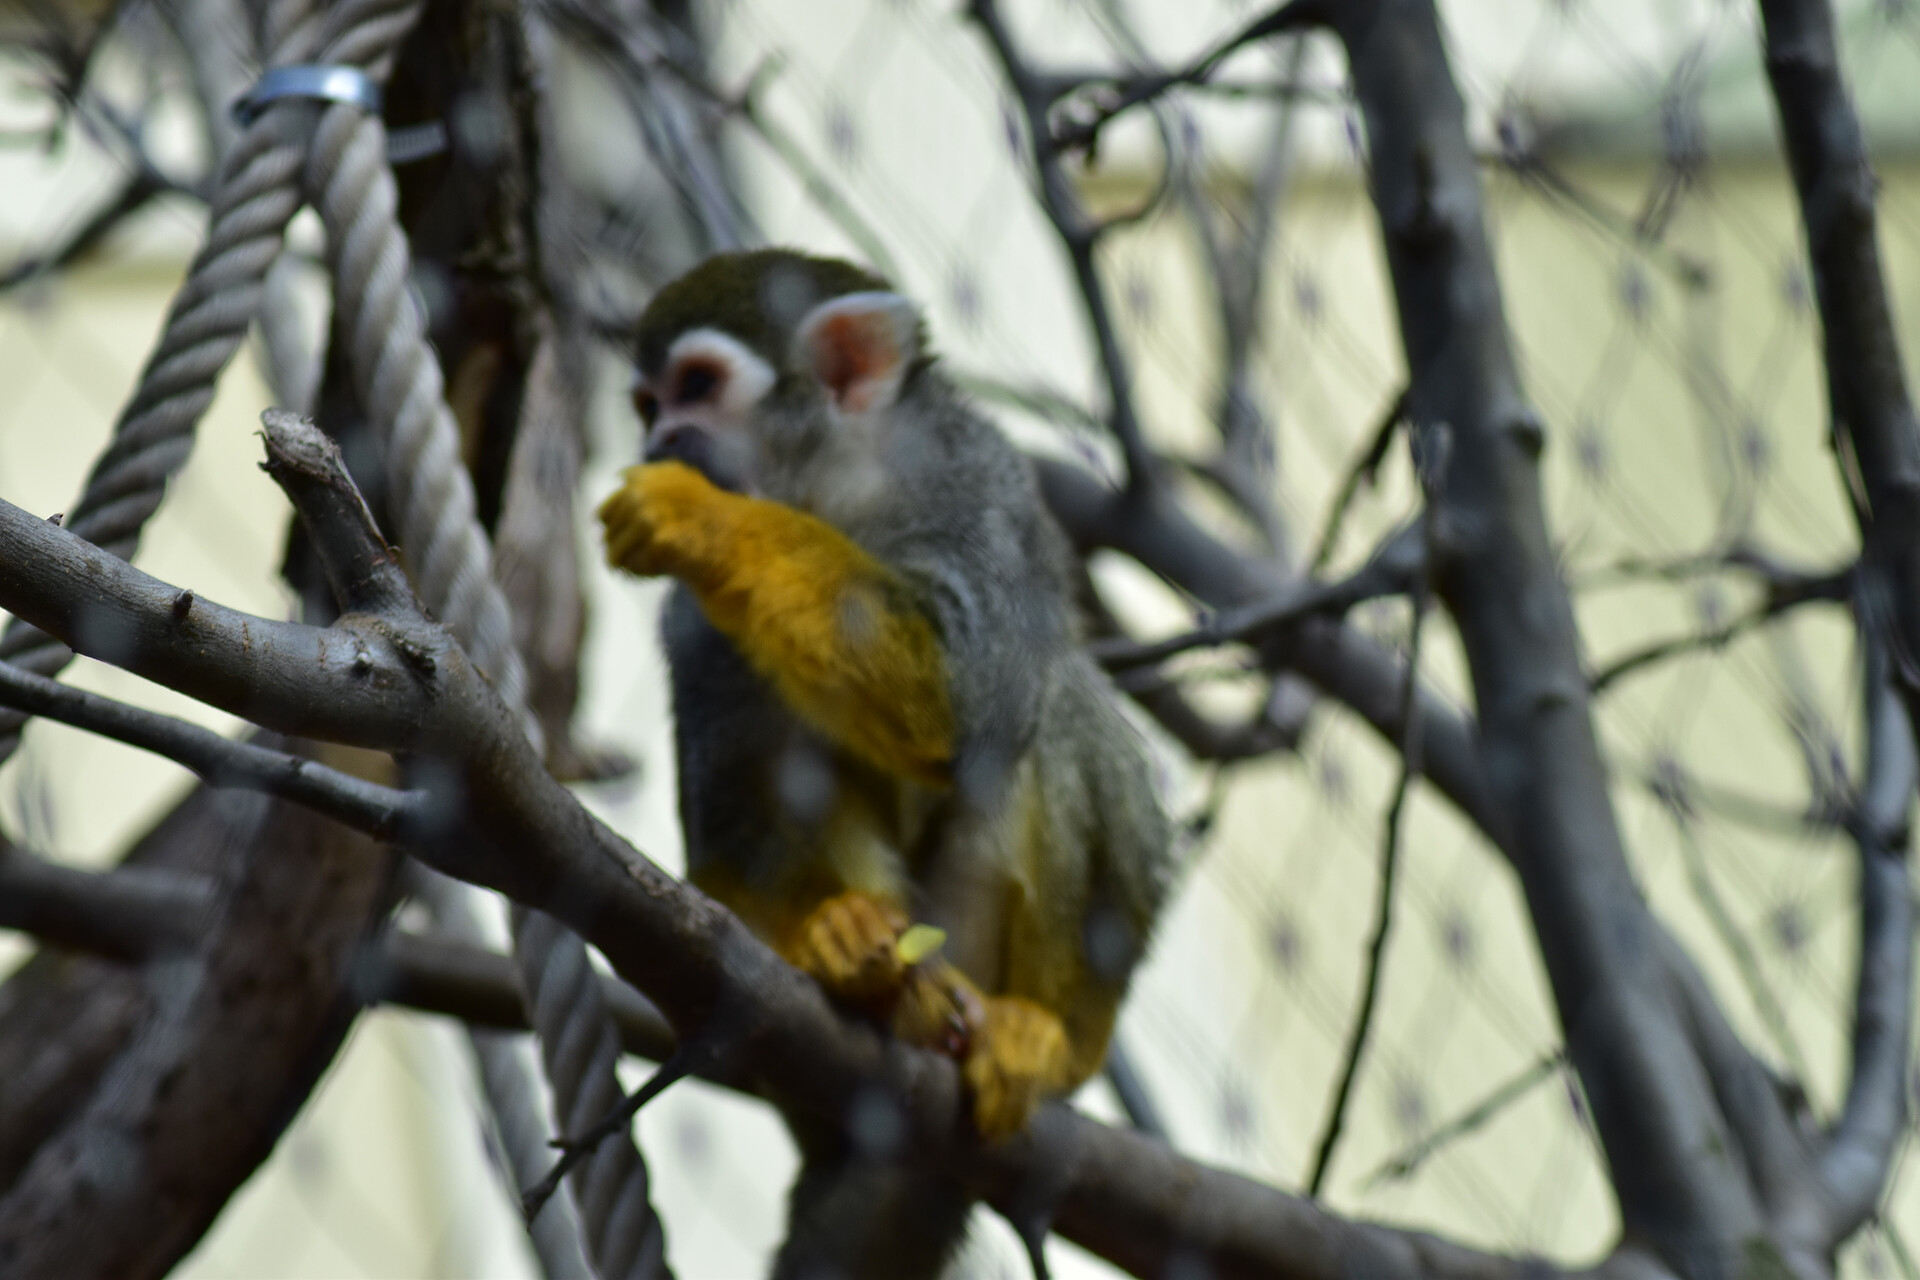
[(837, 632)]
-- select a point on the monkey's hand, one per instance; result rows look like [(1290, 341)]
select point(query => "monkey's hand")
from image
[(850, 945), (837, 632), (654, 520), (1018, 1056), (1013, 1052)]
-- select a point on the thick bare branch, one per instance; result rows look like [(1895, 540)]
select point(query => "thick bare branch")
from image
[(131, 913), (238, 1031), (65, 1018), (1860, 1149), (356, 682), (1155, 1213), (1878, 441), (1672, 1159), (136, 913)]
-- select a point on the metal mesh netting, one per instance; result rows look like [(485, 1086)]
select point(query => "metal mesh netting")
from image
[(1651, 257)]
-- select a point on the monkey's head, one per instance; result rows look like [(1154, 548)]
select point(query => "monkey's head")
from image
[(774, 373)]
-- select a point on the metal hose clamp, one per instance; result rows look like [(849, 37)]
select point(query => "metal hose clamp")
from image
[(309, 80)]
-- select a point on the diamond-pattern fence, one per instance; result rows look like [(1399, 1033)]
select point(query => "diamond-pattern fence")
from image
[(1651, 257)]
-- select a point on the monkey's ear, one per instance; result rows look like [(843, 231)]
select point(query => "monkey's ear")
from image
[(860, 347)]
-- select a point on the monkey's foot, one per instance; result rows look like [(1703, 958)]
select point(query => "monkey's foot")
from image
[(938, 1009), (1019, 1055), (850, 945), (653, 512)]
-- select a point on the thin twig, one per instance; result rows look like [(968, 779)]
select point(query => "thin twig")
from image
[(1718, 637), (1135, 91), (1242, 469), (1078, 234), (1739, 946), (1776, 576), (1388, 572), (223, 762), (1476, 1117), (1389, 857), (577, 1148), (1365, 469)]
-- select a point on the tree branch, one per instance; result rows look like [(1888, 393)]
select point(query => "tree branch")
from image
[(1388, 572), (1078, 234), (1878, 442), (135, 913), (1470, 1121), (1860, 1147), (1715, 638), (365, 806), (481, 987), (128, 914), (1343, 664), (1383, 907), (1667, 1143), (1135, 91), (356, 682), (236, 1031)]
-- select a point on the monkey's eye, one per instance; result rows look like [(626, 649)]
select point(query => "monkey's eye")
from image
[(646, 404), (697, 382)]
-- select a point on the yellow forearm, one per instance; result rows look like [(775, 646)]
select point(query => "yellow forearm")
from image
[(832, 628)]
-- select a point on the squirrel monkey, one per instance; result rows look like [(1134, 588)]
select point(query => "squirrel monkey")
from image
[(896, 765)]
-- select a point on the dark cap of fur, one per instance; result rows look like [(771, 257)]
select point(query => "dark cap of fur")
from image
[(757, 297)]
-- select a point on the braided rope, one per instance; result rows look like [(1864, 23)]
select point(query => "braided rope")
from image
[(579, 1046), (430, 494), (431, 500), (512, 1092), (259, 192)]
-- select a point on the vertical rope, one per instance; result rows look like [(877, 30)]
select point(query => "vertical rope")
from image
[(261, 186), (512, 1093), (259, 192), (431, 501)]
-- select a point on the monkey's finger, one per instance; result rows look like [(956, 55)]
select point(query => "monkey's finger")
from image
[(865, 937), (847, 944), (629, 542)]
